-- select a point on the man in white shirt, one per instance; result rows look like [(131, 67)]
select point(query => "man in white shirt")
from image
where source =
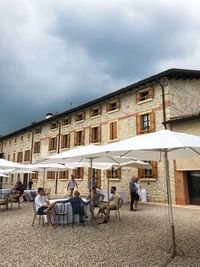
[(43, 205), (71, 185)]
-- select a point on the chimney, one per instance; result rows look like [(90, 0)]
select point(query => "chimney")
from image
[(49, 115)]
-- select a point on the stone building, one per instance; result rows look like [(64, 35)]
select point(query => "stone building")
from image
[(187, 171), (136, 109)]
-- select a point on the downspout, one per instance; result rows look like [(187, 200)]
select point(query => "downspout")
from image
[(58, 151), (31, 151), (163, 103)]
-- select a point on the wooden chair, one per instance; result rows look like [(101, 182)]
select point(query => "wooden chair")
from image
[(14, 199), (35, 215)]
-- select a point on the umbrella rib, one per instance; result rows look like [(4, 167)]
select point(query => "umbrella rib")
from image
[(194, 150)]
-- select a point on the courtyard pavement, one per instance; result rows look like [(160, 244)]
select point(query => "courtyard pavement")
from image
[(141, 239)]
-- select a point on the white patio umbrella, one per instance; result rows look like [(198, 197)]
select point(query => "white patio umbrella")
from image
[(156, 146), (46, 166), (3, 175), (5, 164)]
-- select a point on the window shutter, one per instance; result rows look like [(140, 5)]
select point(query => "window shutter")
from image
[(152, 122), (99, 134), (151, 92), (140, 173), (108, 173), (68, 140), (55, 144), (115, 130), (75, 138), (99, 179), (154, 169), (118, 173), (62, 141), (137, 96), (118, 103), (49, 144), (107, 107), (90, 135), (81, 172), (111, 130), (38, 147), (83, 137), (138, 124), (89, 174), (100, 109)]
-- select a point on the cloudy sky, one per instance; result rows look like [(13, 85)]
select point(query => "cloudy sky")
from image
[(57, 54)]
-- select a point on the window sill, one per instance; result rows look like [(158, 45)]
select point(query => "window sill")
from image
[(63, 179), (53, 130), (145, 101), (67, 125), (148, 179), (96, 116), (80, 121), (78, 179), (52, 151), (112, 111), (114, 140), (114, 179), (65, 148), (35, 153)]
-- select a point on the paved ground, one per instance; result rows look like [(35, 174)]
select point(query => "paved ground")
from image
[(140, 239)]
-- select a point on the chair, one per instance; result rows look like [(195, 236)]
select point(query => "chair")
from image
[(78, 209), (60, 210), (14, 199), (117, 210), (4, 200), (35, 215)]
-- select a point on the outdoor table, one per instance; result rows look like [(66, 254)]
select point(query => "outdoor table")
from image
[(5, 191), (69, 217), (29, 195)]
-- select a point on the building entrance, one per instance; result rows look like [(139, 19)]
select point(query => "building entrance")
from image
[(194, 187)]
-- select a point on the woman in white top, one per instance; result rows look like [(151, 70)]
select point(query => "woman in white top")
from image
[(71, 185)]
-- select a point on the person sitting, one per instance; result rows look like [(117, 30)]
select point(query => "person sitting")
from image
[(112, 204), (43, 205), (18, 190), (77, 204), (96, 198)]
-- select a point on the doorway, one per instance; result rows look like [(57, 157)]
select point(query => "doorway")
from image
[(194, 187), (25, 180)]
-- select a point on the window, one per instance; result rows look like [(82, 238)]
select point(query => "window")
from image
[(149, 173), (95, 134), (27, 155), (8, 156), (15, 141), (52, 143), (51, 174), (95, 111), (63, 175), (36, 148), (13, 157), (4, 143), (34, 175), (38, 130), (12, 178), (78, 173), (114, 173), (28, 136), (145, 94), (65, 141), (53, 125), (21, 138), (10, 142), (79, 138), (80, 116), (96, 175), (145, 123), (66, 121), (113, 130), (19, 156), (113, 105)]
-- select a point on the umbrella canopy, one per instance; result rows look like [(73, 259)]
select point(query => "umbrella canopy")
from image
[(5, 164), (3, 175), (48, 166)]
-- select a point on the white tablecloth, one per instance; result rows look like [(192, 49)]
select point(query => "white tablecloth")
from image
[(69, 217), (29, 195), (5, 191)]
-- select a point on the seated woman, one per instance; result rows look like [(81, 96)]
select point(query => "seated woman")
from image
[(18, 190)]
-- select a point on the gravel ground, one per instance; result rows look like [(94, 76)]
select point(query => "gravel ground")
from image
[(142, 238)]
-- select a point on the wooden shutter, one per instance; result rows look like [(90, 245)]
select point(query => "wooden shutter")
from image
[(99, 134), (55, 143), (111, 130), (109, 173), (154, 169), (140, 173), (83, 137), (115, 134), (117, 103), (107, 107), (137, 97), (75, 138), (100, 109), (50, 144), (62, 141), (151, 92), (68, 140), (118, 173), (89, 174), (152, 122), (81, 172), (99, 179), (90, 135), (138, 124)]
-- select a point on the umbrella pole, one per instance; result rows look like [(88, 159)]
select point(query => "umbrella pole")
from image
[(43, 178), (169, 198), (91, 179)]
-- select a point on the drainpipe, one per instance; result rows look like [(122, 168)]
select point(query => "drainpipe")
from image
[(163, 103), (31, 151), (58, 151)]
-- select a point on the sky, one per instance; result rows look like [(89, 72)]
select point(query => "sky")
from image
[(58, 54)]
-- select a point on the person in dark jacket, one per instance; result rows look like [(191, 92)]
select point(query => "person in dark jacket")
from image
[(133, 192)]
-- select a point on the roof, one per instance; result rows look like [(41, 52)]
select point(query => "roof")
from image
[(184, 118), (170, 74)]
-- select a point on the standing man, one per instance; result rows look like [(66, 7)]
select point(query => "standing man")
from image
[(71, 185), (133, 192)]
